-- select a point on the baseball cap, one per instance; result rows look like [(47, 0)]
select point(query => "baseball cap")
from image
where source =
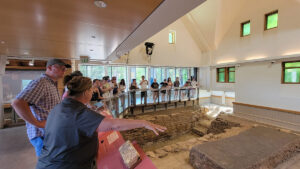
[(57, 61)]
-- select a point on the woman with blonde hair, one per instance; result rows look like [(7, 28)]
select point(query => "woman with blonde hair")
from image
[(71, 130)]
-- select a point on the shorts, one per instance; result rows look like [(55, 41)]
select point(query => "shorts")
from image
[(143, 94)]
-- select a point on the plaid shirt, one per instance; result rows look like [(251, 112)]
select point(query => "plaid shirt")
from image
[(41, 95)]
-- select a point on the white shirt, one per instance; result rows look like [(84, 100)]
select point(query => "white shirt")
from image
[(144, 84)]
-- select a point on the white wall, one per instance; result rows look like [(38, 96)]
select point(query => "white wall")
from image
[(184, 52), (280, 41), (260, 84)]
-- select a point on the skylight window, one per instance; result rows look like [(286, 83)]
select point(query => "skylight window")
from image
[(271, 20), (172, 37), (245, 28)]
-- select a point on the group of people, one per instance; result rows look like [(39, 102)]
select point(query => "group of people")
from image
[(165, 88), (63, 130)]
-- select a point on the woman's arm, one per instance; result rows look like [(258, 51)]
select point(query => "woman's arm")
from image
[(127, 124)]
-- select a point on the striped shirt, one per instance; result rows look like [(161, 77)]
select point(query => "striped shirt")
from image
[(41, 95)]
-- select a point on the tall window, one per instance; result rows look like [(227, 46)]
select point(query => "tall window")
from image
[(171, 74), (120, 72), (156, 73), (226, 75), (138, 72), (271, 20), (172, 37), (92, 71), (245, 28), (184, 75), (291, 72)]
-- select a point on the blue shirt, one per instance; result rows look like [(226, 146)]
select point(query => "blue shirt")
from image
[(41, 95), (71, 140)]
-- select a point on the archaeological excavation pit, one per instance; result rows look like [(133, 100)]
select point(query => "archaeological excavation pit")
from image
[(195, 140), (183, 124)]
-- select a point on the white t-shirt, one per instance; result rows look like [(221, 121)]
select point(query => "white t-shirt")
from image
[(194, 83), (144, 84)]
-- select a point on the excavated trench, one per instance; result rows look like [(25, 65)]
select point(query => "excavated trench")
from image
[(182, 124), (190, 130)]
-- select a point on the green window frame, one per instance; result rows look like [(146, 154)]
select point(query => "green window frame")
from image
[(226, 75), (245, 28), (291, 72), (271, 20)]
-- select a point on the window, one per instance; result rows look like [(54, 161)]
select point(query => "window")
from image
[(221, 75), (291, 72), (16, 80), (137, 73), (245, 28), (184, 75), (172, 37), (120, 72), (231, 74), (271, 20), (171, 74), (226, 75), (92, 71)]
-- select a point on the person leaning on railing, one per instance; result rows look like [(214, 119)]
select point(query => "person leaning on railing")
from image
[(163, 89), (176, 86), (122, 87), (155, 86), (133, 87), (71, 139)]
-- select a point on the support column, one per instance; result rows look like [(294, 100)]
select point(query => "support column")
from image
[(2, 72)]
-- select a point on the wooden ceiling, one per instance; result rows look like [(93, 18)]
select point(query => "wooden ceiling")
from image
[(68, 28)]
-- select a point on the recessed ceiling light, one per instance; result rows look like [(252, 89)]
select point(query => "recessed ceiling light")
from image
[(2, 42), (100, 4)]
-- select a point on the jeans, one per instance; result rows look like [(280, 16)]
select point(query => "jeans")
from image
[(37, 143)]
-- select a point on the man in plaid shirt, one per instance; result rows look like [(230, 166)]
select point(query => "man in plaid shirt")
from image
[(34, 103)]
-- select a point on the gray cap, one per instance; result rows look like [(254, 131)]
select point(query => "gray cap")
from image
[(57, 61)]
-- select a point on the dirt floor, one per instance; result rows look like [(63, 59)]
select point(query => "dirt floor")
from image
[(174, 154)]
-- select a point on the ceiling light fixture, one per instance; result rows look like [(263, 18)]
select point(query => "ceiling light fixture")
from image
[(31, 63), (2, 42), (100, 4)]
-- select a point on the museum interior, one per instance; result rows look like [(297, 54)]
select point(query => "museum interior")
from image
[(222, 76)]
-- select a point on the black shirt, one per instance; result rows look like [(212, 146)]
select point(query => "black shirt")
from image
[(95, 97), (154, 85), (71, 140), (176, 84)]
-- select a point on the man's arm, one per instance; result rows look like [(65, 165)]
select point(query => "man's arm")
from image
[(23, 110), (126, 124)]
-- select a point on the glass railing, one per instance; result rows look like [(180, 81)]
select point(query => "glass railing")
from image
[(118, 103)]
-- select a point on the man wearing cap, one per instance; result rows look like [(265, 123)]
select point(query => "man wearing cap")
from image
[(34, 103)]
